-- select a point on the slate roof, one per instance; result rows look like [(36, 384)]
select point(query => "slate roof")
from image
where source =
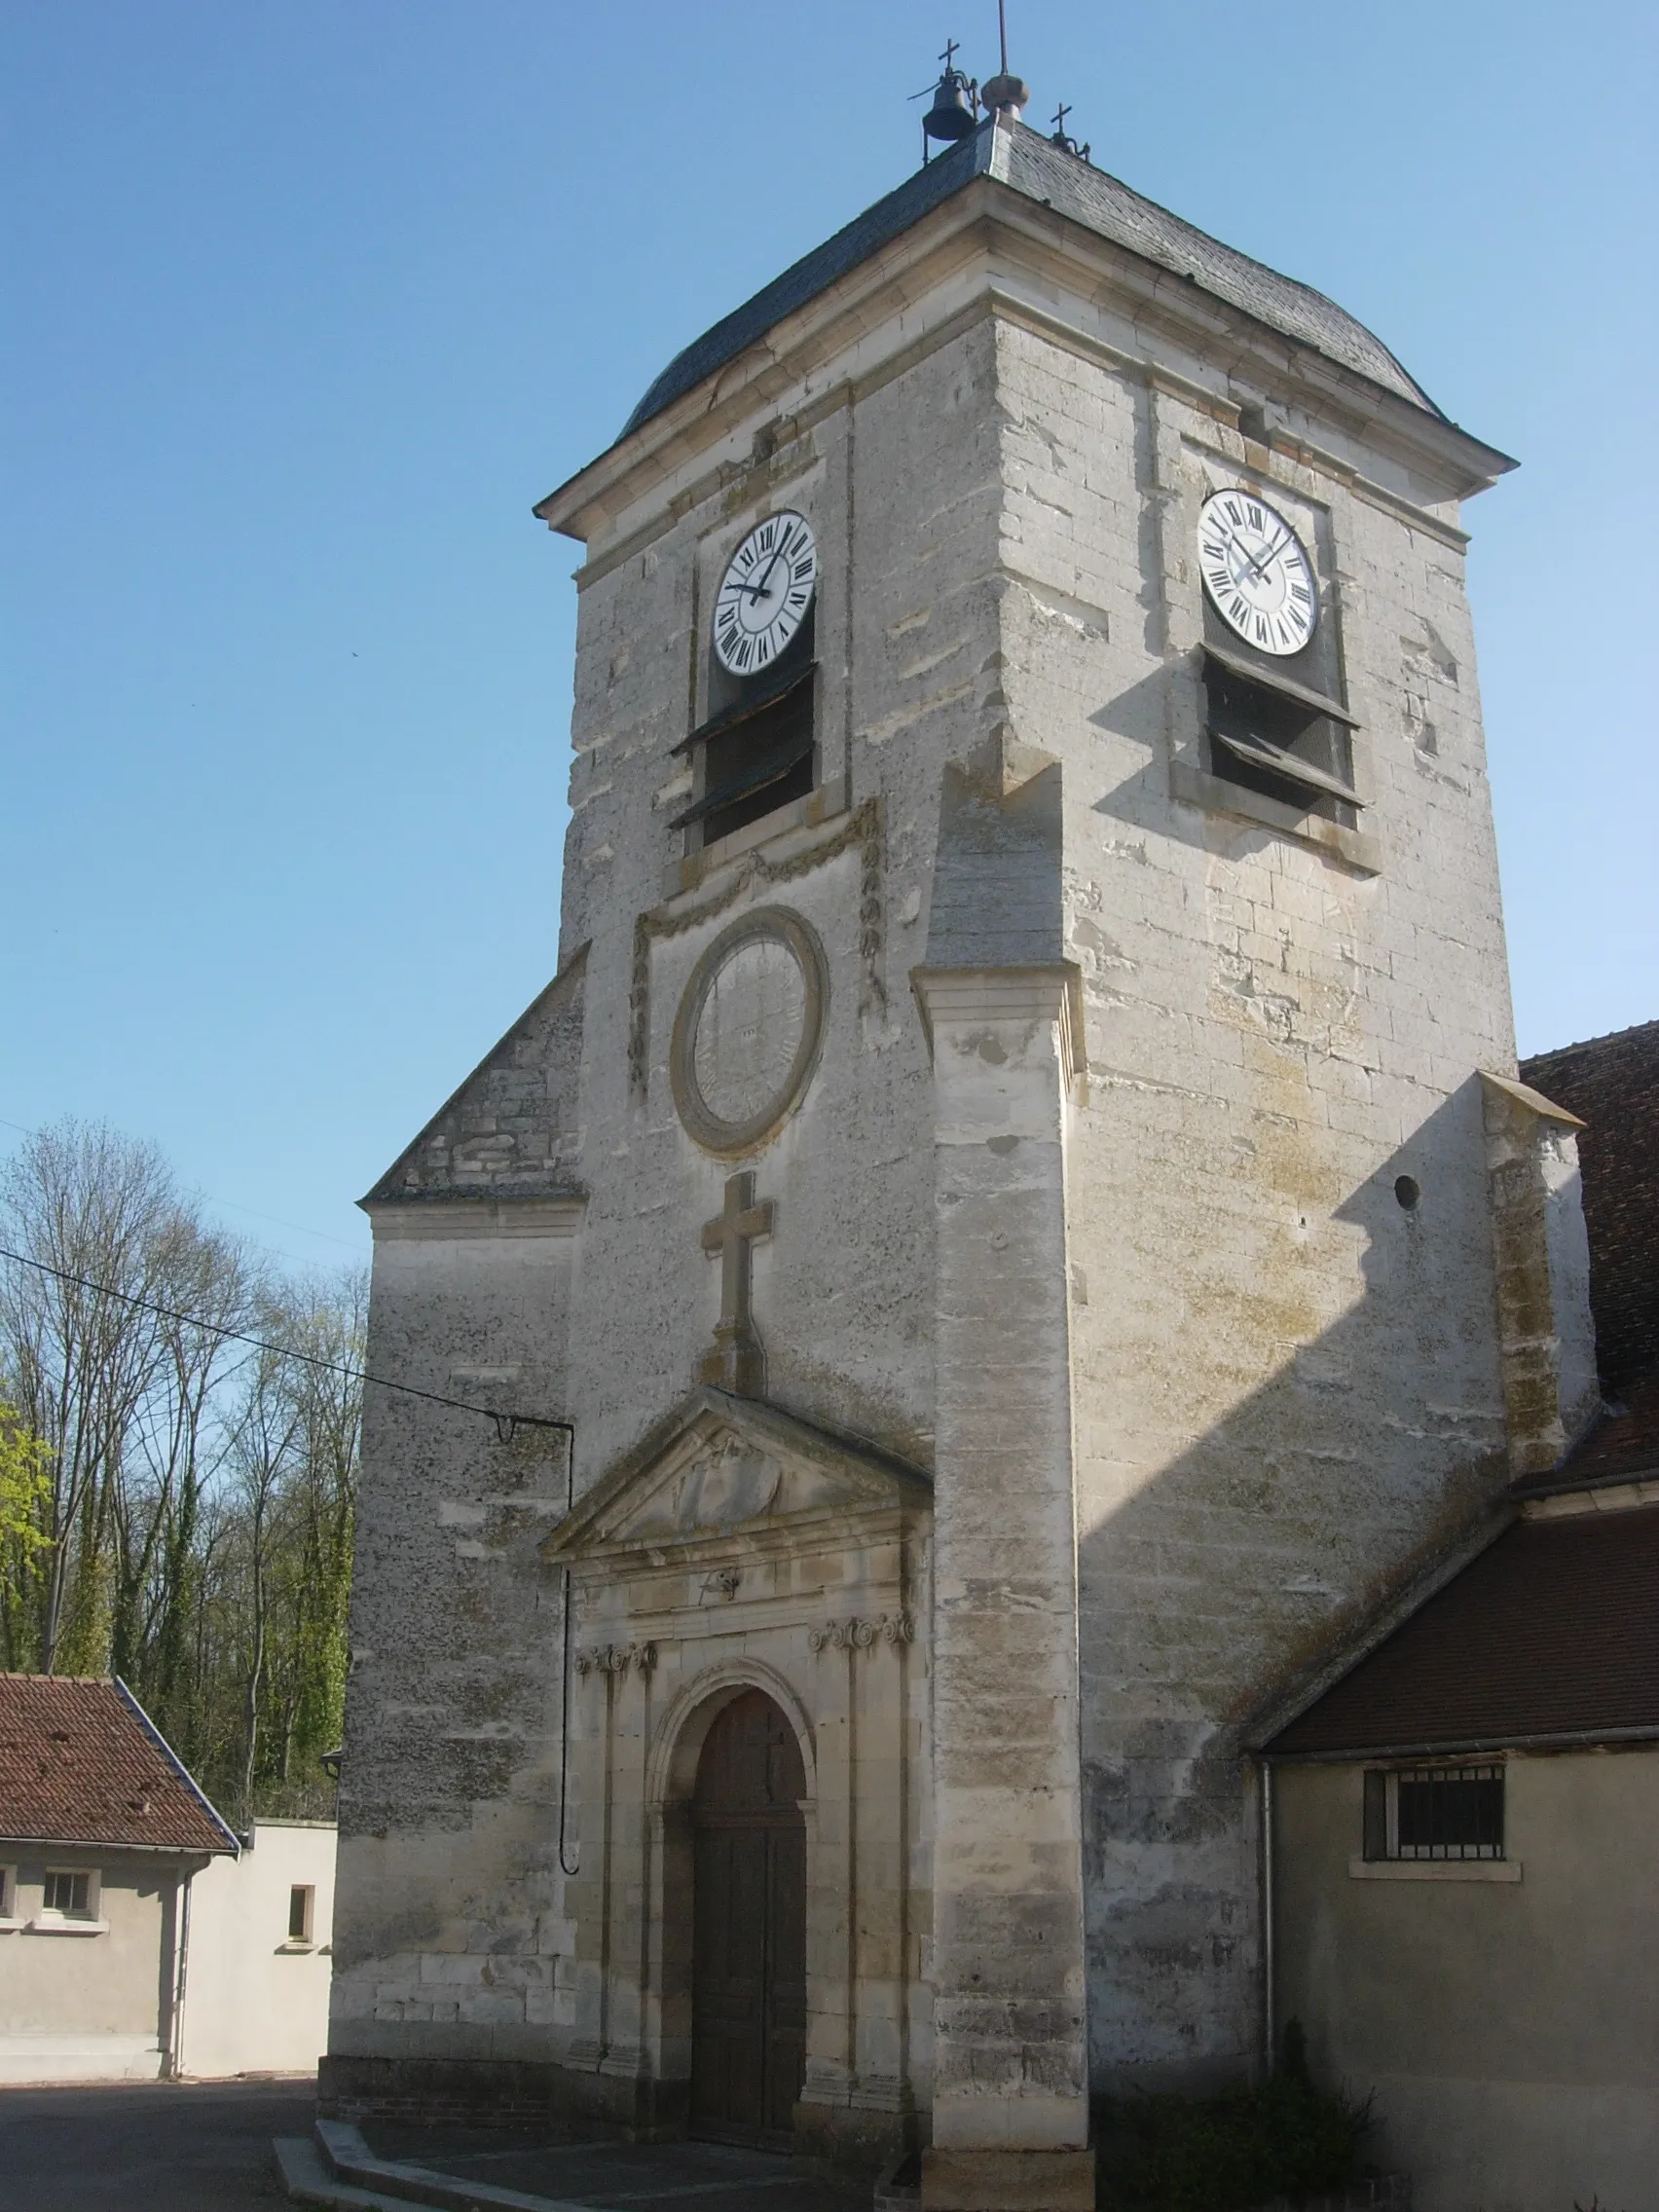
[(1030, 163), (1550, 1637), (82, 1762), (1612, 1084)]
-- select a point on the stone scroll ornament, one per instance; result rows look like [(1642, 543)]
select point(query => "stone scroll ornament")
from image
[(748, 1031), (616, 1658), (859, 1635)]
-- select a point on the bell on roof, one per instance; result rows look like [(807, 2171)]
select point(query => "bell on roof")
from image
[(955, 110), (951, 116)]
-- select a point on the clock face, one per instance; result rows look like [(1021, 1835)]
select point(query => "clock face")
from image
[(1256, 572), (765, 592)]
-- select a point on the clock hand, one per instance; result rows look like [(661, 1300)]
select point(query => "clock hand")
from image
[(1259, 560), (778, 553)]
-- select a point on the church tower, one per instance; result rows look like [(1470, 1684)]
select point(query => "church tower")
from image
[(1001, 1188)]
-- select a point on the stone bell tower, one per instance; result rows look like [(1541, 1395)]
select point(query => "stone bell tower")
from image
[(998, 1186)]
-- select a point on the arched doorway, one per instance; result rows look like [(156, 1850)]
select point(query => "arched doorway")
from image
[(749, 1931)]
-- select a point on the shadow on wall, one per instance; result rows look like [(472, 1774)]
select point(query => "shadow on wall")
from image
[(1217, 1591)]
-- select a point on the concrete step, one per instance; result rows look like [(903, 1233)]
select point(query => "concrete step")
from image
[(351, 2165), (307, 2178)]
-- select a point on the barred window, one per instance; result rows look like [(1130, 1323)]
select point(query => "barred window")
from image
[(1434, 1812)]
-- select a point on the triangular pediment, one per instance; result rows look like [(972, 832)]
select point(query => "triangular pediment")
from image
[(723, 1466)]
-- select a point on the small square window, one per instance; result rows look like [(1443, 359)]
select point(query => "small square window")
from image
[(1434, 1812), (301, 1900), (69, 1893)]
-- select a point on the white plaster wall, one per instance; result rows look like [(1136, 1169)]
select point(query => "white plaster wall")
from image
[(86, 2006), (254, 2002), (1510, 2030)]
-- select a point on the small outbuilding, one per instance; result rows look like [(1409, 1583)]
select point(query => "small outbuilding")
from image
[(1464, 1867), (140, 1937)]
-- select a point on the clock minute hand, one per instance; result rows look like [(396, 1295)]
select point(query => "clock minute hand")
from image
[(1259, 560), (781, 548)]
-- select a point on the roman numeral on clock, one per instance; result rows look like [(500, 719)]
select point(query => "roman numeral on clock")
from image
[(771, 574)]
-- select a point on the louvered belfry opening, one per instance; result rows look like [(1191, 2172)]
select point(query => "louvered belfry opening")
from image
[(749, 1947)]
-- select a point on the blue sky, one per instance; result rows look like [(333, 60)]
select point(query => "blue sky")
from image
[(307, 303)]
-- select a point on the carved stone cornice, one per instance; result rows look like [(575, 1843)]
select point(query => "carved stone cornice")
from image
[(859, 1635), (616, 1658)]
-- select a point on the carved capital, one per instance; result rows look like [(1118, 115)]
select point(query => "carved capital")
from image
[(616, 1658), (856, 1635)]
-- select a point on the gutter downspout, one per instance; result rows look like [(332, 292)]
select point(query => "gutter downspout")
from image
[(181, 1969)]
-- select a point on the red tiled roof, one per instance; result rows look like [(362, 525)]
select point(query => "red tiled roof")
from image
[(1550, 1635), (82, 1762), (1612, 1084)]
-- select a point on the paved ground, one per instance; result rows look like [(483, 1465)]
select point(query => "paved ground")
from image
[(206, 2147), (148, 2147), (625, 2177)]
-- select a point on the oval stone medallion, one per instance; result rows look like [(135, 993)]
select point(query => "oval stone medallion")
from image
[(747, 1032)]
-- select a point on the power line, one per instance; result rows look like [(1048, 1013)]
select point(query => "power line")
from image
[(299, 1228), (505, 1423)]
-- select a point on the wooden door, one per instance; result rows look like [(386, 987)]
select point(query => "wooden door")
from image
[(748, 1928)]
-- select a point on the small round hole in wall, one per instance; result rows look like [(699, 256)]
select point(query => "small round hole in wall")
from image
[(1408, 1190)]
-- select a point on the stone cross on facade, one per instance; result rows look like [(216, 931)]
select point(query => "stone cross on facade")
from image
[(737, 1361)]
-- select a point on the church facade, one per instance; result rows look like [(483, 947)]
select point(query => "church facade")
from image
[(1017, 1186)]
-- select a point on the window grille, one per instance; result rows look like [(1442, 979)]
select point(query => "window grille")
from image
[(1434, 1812)]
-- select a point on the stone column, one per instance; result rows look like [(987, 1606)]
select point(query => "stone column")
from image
[(1011, 2096)]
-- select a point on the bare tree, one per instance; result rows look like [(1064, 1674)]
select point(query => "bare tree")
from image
[(185, 1513)]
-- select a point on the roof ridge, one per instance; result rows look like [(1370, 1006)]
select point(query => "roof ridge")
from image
[(178, 1766), (1250, 261), (1583, 1043)]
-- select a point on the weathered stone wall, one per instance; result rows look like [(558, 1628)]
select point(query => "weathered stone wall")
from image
[(901, 488), (1286, 1388), (456, 1940), (1287, 1383), (447, 1935)]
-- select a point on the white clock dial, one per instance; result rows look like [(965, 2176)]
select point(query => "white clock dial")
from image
[(765, 592), (1258, 578)]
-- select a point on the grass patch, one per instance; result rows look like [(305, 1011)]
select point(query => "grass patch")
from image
[(1232, 2152)]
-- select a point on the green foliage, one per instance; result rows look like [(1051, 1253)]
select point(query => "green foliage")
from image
[(176, 1506), (1233, 2152), (25, 1487)]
